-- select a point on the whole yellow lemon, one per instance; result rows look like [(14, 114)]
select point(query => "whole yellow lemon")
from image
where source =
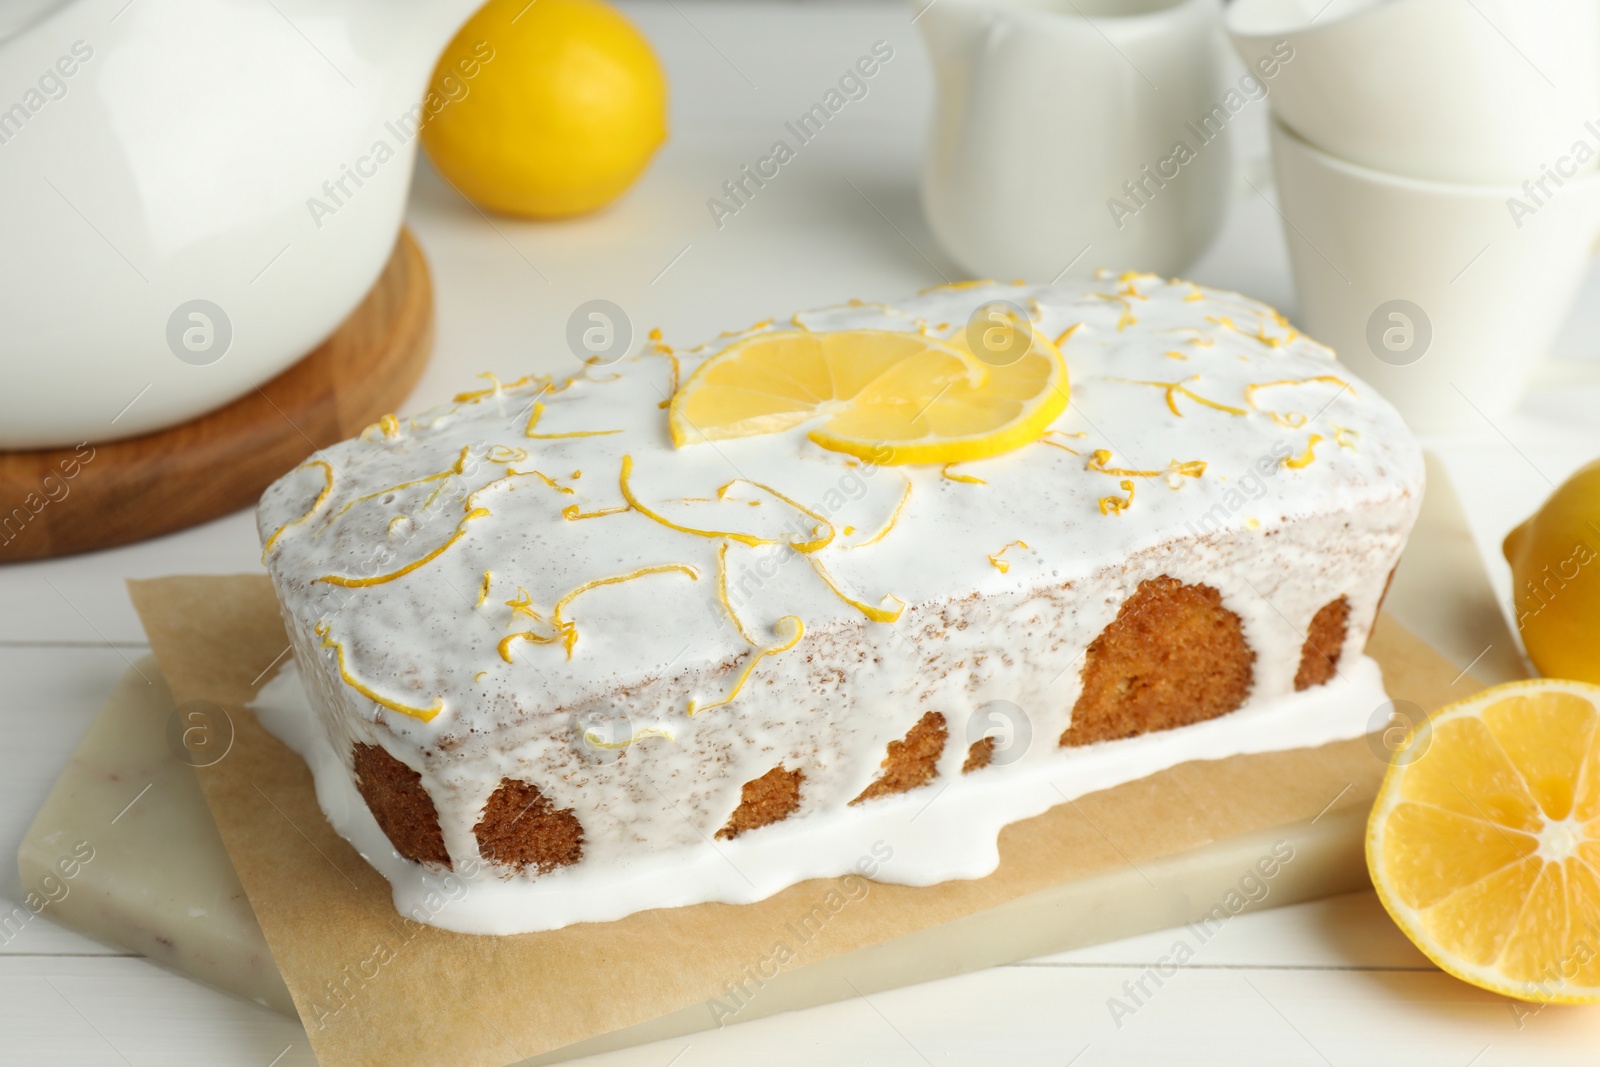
[(545, 109), (1555, 568)]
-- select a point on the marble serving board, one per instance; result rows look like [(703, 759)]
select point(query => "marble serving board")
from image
[(164, 887)]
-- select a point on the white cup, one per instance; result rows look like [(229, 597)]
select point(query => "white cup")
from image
[(1055, 127), (1442, 296), (1484, 91)]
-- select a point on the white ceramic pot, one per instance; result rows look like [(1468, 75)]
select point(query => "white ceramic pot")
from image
[(1482, 91), (1442, 296), (1055, 131), (162, 164)]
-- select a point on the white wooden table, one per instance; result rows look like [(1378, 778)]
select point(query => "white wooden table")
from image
[(1331, 982)]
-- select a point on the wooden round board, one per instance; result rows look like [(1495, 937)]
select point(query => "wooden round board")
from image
[(57, 501)]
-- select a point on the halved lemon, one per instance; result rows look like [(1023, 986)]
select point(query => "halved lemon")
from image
[(882, 395), (1484, 843)]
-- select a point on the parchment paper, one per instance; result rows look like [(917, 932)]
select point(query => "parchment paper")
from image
[(374, 988)]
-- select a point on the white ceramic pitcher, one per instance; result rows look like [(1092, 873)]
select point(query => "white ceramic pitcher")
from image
[(1055, 134), (193, 194)]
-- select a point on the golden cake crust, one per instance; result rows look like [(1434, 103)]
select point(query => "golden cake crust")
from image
[(1319, 656), (403, 808), (522, 829), (1174, 655)]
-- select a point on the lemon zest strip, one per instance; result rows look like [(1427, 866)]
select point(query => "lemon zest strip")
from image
[(388, 426), (662, 349), (637, 505), (894, 517), (1261, 330), (1292, 419), (1189, 468), (510, 475), (428, 503), (1181, 388), (1110, 505), (469, 504), (1277, 317), (722, 593), (591, 738), (505, 454), (798, 546), (1061, 338), (1003, 565), (526, 635), (1193, 468), (547, 480), (1058, 444), (950, 287), (1101, 456), (425, 714), (1044, 439), (572, 513), (1305, 458), (944, 472), (1199, 337), (316, 505), (357, 583), (676, 373), (538, 413), (522, 604), (546, 382), (483, 591), (597, 360), (391, 489), (876, 614), (569, 630), (1340, 433), (476, 395), (799, 627), (1126, 319)]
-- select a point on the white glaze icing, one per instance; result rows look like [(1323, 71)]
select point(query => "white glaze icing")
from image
[(1277, 548), (923, 837)]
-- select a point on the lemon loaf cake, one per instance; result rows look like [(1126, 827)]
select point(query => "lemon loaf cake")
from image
[(845, 592)]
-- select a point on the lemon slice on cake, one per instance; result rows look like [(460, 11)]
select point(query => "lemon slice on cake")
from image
[(882, 395), (1484, 843)]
